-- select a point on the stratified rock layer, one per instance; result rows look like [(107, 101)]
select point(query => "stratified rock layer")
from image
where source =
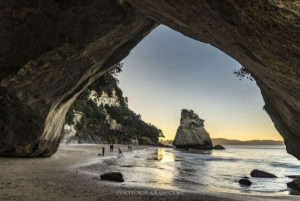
[(51, 50), (191, 132)]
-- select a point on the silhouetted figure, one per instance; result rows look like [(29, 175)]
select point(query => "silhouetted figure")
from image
[(120, 153), (103, 151), (111, 148), (129, 147)]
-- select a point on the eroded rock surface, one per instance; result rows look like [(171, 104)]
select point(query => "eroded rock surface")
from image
[(51, 50), (191, 132)]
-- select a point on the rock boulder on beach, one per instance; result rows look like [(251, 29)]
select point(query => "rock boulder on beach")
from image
[(262, 174), (191, 132), (219, 147)]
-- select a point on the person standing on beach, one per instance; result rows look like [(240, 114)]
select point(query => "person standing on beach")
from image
[(120, 153), (103, 151), (111, 148)]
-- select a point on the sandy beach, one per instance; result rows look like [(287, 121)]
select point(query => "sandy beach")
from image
[(63, 177)]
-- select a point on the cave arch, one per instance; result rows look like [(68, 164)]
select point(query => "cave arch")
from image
[(168, 71), (51, 50)]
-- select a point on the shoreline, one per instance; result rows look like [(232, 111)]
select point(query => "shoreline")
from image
[(62, 177)]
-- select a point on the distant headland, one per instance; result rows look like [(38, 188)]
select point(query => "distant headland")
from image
[(224, 141)]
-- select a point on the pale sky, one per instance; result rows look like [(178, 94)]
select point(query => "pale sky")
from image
[(168, 71)]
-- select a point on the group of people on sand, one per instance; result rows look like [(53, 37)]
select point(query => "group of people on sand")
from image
[(111, 149)]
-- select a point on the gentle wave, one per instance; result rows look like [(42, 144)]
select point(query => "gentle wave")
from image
[(194, 169), (204, 157), (284, 165)]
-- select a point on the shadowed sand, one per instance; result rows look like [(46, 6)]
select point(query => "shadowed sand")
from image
[(62, 177)]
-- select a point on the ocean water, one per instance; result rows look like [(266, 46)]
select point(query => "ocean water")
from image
[(193, 170)]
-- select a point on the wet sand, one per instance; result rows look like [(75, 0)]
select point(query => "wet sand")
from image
[(63, 177)]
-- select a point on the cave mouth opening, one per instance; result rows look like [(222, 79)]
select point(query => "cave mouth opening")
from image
[(167, 72)]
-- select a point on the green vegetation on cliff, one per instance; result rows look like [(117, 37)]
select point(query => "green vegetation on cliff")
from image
[(108, 123)]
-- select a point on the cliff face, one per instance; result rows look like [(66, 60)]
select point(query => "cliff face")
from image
[(75, 132), (191, 132), (101, 115), (52, 50)]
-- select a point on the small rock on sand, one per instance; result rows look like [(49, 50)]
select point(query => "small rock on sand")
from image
[(245, 182), (112, 176)]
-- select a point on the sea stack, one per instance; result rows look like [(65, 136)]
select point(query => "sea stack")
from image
[(191, 132)]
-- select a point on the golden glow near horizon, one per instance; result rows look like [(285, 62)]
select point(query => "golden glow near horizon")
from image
[(264, 131), (168, 72), (237, 126)]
